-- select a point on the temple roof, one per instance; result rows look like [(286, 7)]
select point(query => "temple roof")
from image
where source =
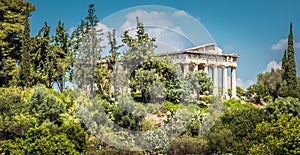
[(207, 49)]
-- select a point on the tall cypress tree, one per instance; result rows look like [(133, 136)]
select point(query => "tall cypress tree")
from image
[(290, 72), (25, 67), (284, 65)]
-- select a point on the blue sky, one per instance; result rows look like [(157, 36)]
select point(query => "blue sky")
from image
[(257, 29)]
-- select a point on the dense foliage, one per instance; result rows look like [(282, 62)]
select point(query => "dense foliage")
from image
[(171, 113)]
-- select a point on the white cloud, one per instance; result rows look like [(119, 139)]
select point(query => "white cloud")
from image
[(273, 65), (105, 28), (240, 82), (282, 44), (244, 84), (147, 18), (180, 13), (159, 25)]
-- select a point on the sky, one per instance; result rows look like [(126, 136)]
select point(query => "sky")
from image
[(257, 30)]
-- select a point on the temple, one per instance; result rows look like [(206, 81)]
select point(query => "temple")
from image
[(208, 57)]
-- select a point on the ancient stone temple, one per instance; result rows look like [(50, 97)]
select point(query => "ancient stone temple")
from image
[(208, 57)]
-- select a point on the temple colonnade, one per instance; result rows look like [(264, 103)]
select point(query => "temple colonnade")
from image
[(209, 57)]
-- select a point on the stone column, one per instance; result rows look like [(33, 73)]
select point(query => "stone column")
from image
[(206, 69), (215, 80), (233, 82), (186, 69), (196, 67), (224, 82)]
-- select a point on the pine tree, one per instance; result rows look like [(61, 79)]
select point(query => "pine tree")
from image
[(107, 74), (64, 56), (140, 49), (149, 74), (113, 49), (43, 58), (12, 16), (88, 50), (291, 65)]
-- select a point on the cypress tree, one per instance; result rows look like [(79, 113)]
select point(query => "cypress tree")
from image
[(25, 71), (284, 65), (291, 77)]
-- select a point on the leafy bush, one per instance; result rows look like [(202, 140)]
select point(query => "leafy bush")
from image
[(268, 98), (153, 108), (11, 101), (170, 106), (40, 141), (278, 137), (193, 107), (146, 124), (206, 99), (282, 106), (16, 126), (188, 145), (155, 141), (112, 150), (44, 105), (232, 103), (128, 113), (14, 120), (76, 134), (233, 133), (137, 96)]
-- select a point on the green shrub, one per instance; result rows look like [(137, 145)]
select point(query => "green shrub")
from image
[(193, 107), (188, 145), (128, 113), (232, 103), (153, 108), (111, 150), (206, 99), (234, 132), (40, 141), (247, 105), (137, 96), (146, 124), (76, 135), (282, 106), (170, 106), (277, 137), (268, 98), (45, 105)]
